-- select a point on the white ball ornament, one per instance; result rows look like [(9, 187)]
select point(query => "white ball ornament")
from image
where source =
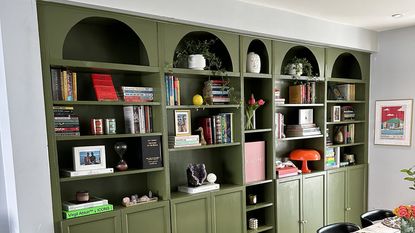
[(211, 178)]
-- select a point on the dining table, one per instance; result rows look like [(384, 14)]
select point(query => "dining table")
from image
[(378, 228)]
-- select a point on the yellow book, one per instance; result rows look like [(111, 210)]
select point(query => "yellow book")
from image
[(64, 83), (74, 88)]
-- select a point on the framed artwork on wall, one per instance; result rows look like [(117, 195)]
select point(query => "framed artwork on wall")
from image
[(393, 122)]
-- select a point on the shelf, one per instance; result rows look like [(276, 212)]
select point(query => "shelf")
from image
[(105, 136), (203, 106), (344, 80), (346, 101), (298, 105), (258, 206), (202, 72), (258, 183), (177, 194), (105, 103), (101, 67), (205, 147), (123, 173), (344, 122), (299, 138), (346, 145), (260, 229), (298, 78), (258, 130), (254, 75)]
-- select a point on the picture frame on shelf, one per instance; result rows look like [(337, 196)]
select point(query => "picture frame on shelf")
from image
[(393, 122), (89, 158), (336, 113), (305, 116), (182, 125)]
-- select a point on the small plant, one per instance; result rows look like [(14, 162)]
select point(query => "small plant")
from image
[(410, 176), (300, 65)]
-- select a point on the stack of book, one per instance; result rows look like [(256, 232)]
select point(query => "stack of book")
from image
[(183, 141), (137, 94), (138, 119), (218, 129), (72, 173), (64, 85), (104, 87), (277, 97), (216, 92), (66, 123), (301, 130), (347, 113), (302, 93), (172, 90), (347, 131), (279, 125), (75, 209), (332, 157)]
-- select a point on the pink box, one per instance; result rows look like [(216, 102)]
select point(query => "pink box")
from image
[(254, 161)]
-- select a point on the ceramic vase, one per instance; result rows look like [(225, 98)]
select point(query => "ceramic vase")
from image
[(295, 69), (196, 62), (253, 63)]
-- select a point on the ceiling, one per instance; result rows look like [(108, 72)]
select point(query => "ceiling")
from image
[(370, 14)]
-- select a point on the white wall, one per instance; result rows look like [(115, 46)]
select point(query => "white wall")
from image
[(392, 78)]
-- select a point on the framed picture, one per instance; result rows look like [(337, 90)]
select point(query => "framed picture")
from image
[(393, 122), (89, 158), (305, 116), (336, 113), (182, 122)]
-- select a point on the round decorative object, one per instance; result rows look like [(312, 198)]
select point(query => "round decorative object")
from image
[(253, 63), (211, 178), (197, 100), (196, 62), (120, 148), (82, 196), (253, 223), (122, 165), (252, 199), (339, 139)]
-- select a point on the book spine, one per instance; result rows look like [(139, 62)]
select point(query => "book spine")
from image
[(70, 86), (87, 211), (64, 85), (55, 74), (74, 86), (178, 92), (129, 119), (166, 84), (171, 85), (214, 141)]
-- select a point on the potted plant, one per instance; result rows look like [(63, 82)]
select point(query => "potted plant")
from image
[(198, 54), (298, 67), (407, 212)]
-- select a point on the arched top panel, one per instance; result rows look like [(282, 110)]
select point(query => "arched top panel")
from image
[(346, 66), (102, 39), (301, 52), (259, 48), (218, 48)]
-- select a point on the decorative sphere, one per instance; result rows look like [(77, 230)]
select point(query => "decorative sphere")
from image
[(211, 178), (197, 100)]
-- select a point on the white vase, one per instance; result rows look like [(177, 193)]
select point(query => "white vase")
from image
[(253, 63), (196, 62), (295, 69)]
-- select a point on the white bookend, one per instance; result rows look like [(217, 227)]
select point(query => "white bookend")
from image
[(203, 188)]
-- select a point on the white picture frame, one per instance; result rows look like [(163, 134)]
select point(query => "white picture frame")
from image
[(305, 116), (89, 158), (393, 122), (182, 125), (336, 113)]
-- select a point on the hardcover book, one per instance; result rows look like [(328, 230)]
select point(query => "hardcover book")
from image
[(75, 205), (87, 211), (104, 87), (150, 152)]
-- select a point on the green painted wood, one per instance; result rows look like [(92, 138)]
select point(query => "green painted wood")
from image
[(228, 211), (262, 47), (203, 107), (201, 73), (205, 146), (90, 66), (146, 218), (356, 193), (294, 78), (103, 223), (100, 137), (363, 59), (259, 206), (261, 229), (192, 214), (116, 173), (336, 195), (105, 103), (314, 196), (288, 205)]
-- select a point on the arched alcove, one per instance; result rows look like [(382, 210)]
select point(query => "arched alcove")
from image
[(104, 40), (259, 48), (301, 52), (346, 66), (218, 48)]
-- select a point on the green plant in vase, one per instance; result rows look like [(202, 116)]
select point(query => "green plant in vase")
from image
[(250, 109), (298, 67)]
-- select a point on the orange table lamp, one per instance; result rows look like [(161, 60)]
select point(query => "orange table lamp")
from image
[(305, 155)]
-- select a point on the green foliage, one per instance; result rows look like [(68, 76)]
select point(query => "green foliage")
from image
[(410, 176), (203, 47), (300, 64)]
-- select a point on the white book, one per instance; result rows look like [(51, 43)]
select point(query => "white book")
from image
[(69, 173), (184, 138), (203, 188), (74, 205), (181, 146)]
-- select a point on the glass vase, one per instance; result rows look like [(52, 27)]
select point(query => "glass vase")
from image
[(250, 120), (408, 225)]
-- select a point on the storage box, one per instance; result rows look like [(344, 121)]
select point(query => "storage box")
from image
[(254, 161)]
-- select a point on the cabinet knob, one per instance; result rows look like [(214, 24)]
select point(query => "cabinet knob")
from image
[(348, 209), (305, 221), (302, 221)]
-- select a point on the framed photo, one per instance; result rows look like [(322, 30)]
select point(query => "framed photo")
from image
[(305, 116), (182, 124), (89, 158), (336, 113), (393, 122)]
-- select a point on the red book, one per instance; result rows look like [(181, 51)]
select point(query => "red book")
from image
[(206, 124), (287, 171), (104, 87)]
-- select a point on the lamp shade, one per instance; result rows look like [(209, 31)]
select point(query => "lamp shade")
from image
[(305, 155)]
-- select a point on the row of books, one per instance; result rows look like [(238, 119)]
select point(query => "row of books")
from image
[(216, 92), (138, 119), (183, 141), (75, 209), (137, 94), (332, 157), (218, 129), (342, 92), (66, 122), (173, 90), (348, 132), (279, 125), (301, 130), (64, 85), (302, 93)]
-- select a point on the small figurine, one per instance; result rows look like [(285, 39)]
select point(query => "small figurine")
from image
[(202, 138)]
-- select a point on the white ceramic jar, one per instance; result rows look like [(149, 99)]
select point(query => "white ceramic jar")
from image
[(253, 63), (196, 62)]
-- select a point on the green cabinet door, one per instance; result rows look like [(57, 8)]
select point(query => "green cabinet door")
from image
[(314, 189), (191, 214), (288, 205), (228, 213), (102, 223), (336, 195), (356, 193), (146, 218)]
